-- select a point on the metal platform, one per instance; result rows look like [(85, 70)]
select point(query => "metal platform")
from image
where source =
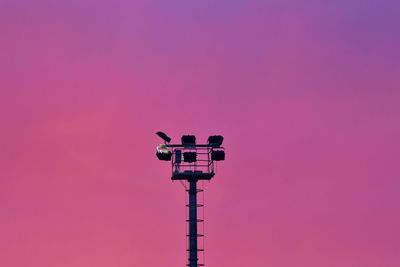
[(192, 175)]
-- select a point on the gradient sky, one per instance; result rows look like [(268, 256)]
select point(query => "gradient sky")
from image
[(306, 94)]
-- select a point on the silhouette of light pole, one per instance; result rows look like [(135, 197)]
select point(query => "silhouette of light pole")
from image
[(192, 162)]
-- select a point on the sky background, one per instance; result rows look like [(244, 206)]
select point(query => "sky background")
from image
[(306, 94)]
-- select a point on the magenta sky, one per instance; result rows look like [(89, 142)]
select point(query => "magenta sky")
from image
[(306, 94)]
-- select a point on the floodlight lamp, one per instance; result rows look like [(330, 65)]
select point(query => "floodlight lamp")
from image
[(189, 157), (178, 156), (218, 155), (164, 137), (188, 140), (163, 152), (215, 140)]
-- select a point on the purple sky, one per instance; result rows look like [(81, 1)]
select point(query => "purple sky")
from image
[(306, 94)]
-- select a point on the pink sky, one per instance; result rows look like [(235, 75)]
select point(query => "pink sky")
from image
[(306, 94)]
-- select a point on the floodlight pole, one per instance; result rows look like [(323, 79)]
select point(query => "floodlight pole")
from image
[(191, 171), (193, 223)]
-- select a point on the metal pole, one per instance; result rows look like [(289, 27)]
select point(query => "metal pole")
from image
[(193, 223)]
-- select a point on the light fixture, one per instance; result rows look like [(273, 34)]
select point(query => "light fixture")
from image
[(163, 152), (178, 156), (215, 140), (218, 155), (189, 156), (188, 140), (164, 137)]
